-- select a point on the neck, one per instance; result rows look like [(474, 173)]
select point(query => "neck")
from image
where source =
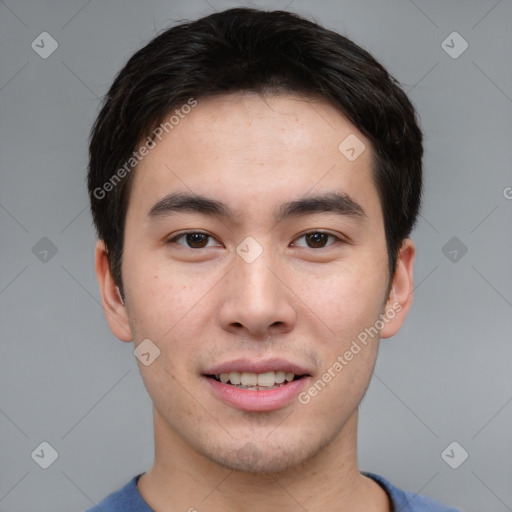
[(182, 479)]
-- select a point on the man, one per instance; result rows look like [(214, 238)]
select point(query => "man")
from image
[(254, 179)]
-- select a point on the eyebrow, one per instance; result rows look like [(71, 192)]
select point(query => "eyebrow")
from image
[(335, 202)]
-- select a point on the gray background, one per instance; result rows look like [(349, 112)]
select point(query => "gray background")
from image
[(445, 377)]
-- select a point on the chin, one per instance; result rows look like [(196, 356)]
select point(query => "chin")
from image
[(263, 457)]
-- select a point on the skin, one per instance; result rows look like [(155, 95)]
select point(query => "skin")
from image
[(204, 306)]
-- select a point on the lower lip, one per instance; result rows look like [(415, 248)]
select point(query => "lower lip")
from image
[(257, 400)]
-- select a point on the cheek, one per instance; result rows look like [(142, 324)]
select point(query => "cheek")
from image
[(347, 309), (161, 297), (347, 299)]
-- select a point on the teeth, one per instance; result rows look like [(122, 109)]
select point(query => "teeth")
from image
[(249, 379), (234, 377), (267, 379), (280, 376)]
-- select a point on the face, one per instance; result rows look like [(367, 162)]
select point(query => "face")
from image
[(272, 272)]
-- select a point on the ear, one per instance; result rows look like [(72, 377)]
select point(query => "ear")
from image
[(113, 306), (401, 294)]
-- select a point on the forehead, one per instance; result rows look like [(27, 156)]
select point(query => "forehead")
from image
[(244, 148)]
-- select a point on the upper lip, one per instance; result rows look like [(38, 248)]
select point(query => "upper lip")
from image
[(261, 366)]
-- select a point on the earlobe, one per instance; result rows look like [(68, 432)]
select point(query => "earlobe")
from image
[(401, 295), (112, 301)]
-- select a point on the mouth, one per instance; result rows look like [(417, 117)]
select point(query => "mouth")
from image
[(256, 381), (257, 386)]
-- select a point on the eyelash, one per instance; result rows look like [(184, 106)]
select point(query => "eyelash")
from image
[(185, 233)]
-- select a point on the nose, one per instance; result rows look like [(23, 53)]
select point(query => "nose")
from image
[(257, 302)]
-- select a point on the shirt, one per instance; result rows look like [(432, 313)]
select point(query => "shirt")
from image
[(129, 499)]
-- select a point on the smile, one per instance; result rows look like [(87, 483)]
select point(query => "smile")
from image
[(256, 381), (271, 385)]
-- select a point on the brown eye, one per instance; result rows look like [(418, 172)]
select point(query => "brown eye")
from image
[(317, 240), (193, 240), (196, 240)]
